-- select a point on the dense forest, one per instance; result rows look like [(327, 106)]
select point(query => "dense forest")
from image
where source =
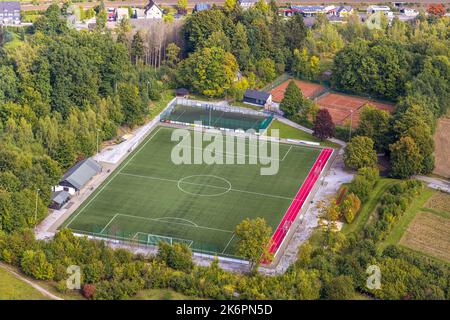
[(60, 87)]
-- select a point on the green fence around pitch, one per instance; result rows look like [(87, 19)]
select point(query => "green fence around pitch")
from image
[(216, 117)]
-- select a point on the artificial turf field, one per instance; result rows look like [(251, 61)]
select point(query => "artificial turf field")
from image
[(216, 118), (148, 197)]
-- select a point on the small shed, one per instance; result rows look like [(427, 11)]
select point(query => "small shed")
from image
[(78, 176), (256, 97), (182, 92), (59, 199)]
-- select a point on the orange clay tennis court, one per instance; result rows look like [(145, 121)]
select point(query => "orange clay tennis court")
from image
[(309, 89), (341, 106)]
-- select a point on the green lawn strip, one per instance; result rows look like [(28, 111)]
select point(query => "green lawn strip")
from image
[(157, 106), (246, 105), (288, 132), (421, 254), (13, 288), (50, 286), (400, 226), (442, 214), (160, 294), (368, 207)]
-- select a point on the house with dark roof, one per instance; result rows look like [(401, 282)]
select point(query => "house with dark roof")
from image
[(9, 13), (343, 11), (256, 97), (59, 199), (153, 11), (78, 176), (312, 11), (201, 7), (245, 4)]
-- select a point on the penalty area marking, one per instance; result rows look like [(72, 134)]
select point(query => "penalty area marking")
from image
[(226, 247), (174, 223)]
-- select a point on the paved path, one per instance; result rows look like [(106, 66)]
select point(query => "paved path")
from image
[(435, 183), (31, 283)]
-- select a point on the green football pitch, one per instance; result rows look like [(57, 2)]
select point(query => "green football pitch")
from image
[(216, 118), (148, 198)]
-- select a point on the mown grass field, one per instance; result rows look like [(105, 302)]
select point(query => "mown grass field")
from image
[(288, 132), (149, 198), (12, 288)]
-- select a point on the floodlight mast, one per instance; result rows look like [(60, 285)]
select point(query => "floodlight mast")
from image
[(36, 208)]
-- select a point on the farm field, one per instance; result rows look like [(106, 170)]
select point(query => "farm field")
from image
[(429, 233), (425, 226), (150, 199)]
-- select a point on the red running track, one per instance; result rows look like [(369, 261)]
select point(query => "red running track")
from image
[(300, 198)]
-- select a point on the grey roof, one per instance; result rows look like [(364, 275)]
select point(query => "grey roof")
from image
[(348, 8), (255, 94), (10, 6), (150, 4), (60, 197), (202, 6), (82, 172)]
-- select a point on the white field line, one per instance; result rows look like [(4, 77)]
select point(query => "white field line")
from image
[(176, 223), (284, 157), (112, 178), (191, 242), (206, 185), (226, 247), (246, 155), (220, 117), (175, 218), (112, 219), (184, 111)]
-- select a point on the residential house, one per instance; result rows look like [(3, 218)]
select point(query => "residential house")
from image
[(122, 13), (410, 12), (138, 13), (285, 12), (153, 11), (201, 7), (383, 9), (259, 98), (245, 4), (9, 12), (344, 11), (78, 176), (312, 11), (111, 14)]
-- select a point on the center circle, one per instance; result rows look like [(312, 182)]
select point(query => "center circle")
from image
[(204, 185)]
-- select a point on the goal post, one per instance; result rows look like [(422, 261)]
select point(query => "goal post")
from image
[(154, 239)]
